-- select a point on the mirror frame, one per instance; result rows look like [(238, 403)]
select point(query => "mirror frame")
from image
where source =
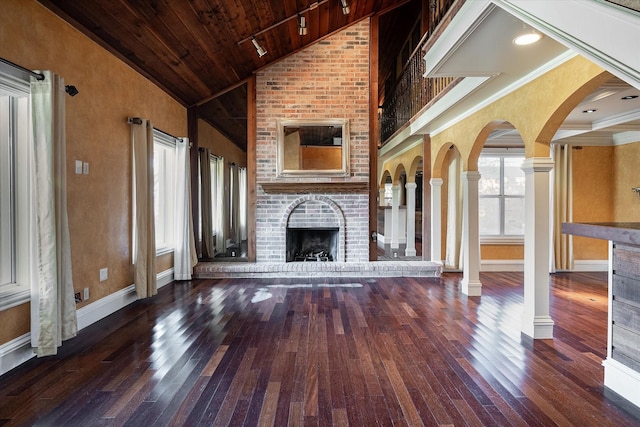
[(346, 142)]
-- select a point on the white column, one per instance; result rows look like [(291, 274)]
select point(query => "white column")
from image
[(395, 218), (411, 219), (471, 284), (436, 219), (381, 197), (536, 322)]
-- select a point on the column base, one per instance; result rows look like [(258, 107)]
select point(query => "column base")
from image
[(471, 288), (538, 327), (410, 252)]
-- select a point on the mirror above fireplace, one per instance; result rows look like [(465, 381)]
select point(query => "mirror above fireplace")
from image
[(313, 148)]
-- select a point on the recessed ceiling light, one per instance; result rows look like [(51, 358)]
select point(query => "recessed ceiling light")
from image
[(629, 97), (527, 38), (592, 110)]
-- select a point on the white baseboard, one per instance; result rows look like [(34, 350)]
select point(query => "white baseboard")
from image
[(622, 380), (15, 352), (18, 350), (591, 265), (502, 265)]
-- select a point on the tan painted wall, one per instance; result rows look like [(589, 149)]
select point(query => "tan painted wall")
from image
[(99, 203), (502, 252), (592, 197), (626, 167)]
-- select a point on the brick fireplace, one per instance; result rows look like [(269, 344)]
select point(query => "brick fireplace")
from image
[(326, 80)]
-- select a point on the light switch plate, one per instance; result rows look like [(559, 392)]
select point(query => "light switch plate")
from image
[(78, 167), (85, 168), (104, 274)]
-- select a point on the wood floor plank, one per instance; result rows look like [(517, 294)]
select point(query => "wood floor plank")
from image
[(323, 351)]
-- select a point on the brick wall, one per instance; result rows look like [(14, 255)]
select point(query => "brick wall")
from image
[(329, 79)]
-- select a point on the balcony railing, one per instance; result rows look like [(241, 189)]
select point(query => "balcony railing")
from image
[(412, 91)]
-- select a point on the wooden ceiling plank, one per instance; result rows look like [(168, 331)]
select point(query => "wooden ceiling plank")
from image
[(139, 30), (108, 32), (167, 25)]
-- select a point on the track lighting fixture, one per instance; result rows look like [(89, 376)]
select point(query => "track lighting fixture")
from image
[(302, 25), (345, 7), (261, 51)]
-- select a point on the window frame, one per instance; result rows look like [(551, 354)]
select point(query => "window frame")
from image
[(164, 197), (502, 239), (15, 129)]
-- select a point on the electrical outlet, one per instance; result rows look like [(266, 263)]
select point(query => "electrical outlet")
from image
[(104, 274), (86, 293), (78, 299), (85, 168)]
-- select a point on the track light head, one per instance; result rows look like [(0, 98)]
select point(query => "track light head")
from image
[(261, 51), (345, 7), (302, 25)]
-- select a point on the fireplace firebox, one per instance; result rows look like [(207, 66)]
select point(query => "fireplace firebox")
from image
[(312, 244)]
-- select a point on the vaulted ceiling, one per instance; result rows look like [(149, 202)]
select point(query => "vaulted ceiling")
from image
[(200, 51)]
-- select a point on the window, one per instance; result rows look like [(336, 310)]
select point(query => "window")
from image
[(501, 191), (164, 171), (14, 182)]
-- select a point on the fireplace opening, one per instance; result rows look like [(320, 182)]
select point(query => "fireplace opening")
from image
[(312, 244)]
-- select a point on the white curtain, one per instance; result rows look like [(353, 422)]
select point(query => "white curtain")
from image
[(217, 197), (242, 210), (185, 256), (208, 247), (53, 309), (144, 221), (562, 207), (234, 205), (453, 256)]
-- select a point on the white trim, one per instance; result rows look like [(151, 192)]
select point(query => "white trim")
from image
[(587, 265), (164, 278), (502, 265), (98, 310), (164, 250), (622, 380), (13, 299), (18, 350), (502, 240), (15, 352), (623, 138), (460, 28), (467, 86)]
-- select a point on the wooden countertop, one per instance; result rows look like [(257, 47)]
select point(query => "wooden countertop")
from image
[(621, 232)]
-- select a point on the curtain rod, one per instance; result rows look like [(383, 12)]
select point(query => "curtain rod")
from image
[(138, 121), (38, 76)]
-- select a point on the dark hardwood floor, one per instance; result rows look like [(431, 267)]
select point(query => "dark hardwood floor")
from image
[(357, 352)]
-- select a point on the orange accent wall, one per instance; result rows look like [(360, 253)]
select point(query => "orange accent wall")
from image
[(502, 252), (626, 170), (99, 203), (592, 197)]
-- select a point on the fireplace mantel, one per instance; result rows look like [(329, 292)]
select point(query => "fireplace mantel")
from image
[(301, 187)]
